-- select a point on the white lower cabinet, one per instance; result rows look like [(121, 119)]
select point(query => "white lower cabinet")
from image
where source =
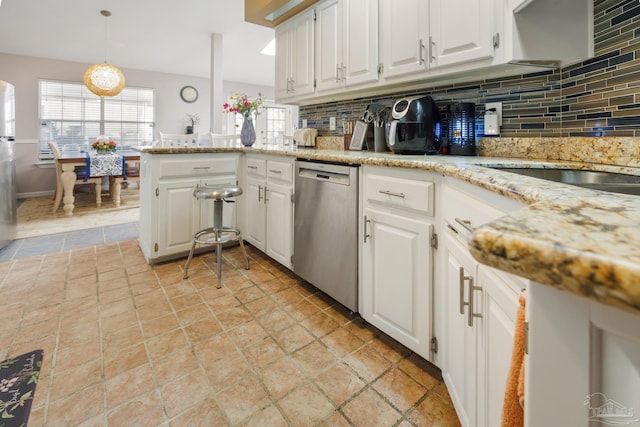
[(171, 213), (396, 255), (269, 206), (583, 366), (476, 327)]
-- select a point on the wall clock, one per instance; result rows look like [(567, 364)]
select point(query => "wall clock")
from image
[(189, 94)]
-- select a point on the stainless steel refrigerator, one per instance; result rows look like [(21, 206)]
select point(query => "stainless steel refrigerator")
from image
[(8, 203)]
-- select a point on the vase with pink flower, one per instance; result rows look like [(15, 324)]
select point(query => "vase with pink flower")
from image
[(239, 103)]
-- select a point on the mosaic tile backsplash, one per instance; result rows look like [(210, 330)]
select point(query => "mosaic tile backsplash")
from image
[(596, 97)]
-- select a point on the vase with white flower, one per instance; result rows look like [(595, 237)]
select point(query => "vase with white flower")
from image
[(104, 145), (239, 103), (192, 120)]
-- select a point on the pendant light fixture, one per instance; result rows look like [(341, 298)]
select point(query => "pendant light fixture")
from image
[(104, 79)]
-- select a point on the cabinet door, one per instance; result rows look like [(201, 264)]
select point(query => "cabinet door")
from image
[(360, 33), (206, 206), (280, 223), (328, 45), (303, 51), (404, 36), (460, 37), (178, 215), (255, 231), (283, 60), (495, 343), (396, 282), (460, 369)]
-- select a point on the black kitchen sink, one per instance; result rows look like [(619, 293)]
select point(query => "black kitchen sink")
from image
[(596, 180)]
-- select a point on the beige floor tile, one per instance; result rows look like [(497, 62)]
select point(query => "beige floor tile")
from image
[(161, 345), (293, 338), (222, 303), (243, 399), (75, 379), (263, 353), (139, 410), (367, 363), (135, 381), (369, 409), (433, 412), (193, 314), (205, 413), (269, 416), (306, 406), (214, 348), (124, 360), (160, 326), (302, 310), (402, 391), (175, 365), (184, 393), (421, 371), (261, 306), (68, 411), (340, 383), (342, 342), (282, 377), (227, 371), (276, 320), (314, 358), (247, 333), (202, 329), (336, 420), (320, 324), (234, 317)]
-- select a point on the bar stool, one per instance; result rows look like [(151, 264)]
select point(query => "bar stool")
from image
[(218, 234)]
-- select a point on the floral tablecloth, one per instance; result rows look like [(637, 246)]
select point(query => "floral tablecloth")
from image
[(105, 164)]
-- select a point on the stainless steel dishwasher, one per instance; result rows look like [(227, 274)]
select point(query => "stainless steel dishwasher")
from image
[(326, 229)]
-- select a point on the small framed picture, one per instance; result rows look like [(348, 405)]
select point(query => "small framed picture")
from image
[(359, 132)]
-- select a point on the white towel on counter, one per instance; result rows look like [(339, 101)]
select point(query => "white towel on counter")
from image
[(305, 137)]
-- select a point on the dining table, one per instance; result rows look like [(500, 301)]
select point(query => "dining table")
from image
[(68, 162)]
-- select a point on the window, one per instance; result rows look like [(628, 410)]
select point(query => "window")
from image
[(276, 123), (73, 116)]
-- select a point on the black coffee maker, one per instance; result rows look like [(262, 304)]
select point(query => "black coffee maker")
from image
[(461, 137), (415, 128)]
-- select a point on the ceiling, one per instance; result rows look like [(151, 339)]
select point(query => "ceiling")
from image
[(171, 36)]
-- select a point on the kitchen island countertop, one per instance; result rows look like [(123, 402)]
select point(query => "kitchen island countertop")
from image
[(578, 240)]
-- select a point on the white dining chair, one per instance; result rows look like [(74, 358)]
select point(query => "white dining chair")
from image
[(218, 140), (179, 140)]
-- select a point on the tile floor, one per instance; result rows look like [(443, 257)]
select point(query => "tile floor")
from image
[(128, 344)]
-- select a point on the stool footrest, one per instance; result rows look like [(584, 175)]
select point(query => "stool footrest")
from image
[(212, 236)]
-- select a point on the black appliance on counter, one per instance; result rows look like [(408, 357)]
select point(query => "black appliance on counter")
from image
[(461, 137), (415, 128)]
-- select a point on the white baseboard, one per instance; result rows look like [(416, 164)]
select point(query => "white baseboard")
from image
[(35, 194)]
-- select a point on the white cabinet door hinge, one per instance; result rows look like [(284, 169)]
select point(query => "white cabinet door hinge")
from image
[(434, 345)]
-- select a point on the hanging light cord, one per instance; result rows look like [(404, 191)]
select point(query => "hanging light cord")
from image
[(106, 14)]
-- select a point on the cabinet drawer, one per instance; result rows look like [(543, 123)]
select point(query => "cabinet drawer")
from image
[(195, 167), (280, 170), (400, 192), (256, 167)]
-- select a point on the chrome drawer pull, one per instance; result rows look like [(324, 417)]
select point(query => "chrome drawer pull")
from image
[(366, 221), (274, 171), (391, 193), (201, 167), (472, 289), (252, 167), (466, 224), (461, 280), (260, 193)]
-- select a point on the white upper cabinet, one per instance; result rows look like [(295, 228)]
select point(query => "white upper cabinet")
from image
[(460, 37), (404, 34), (294, 56), (346, 43)]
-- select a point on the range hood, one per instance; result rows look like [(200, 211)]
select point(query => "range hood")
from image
[(270, 13)]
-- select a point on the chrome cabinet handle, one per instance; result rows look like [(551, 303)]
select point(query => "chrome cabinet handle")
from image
[(252, 167), (366, 221), (466, 224), (274, 171), (471, 314), (260, 193), (206, 168), (266, 191), (337, 73), (432, 48), (391, 193), (420, 49), (461, 280)]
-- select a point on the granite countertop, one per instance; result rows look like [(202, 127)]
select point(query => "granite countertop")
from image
[(577, 240)]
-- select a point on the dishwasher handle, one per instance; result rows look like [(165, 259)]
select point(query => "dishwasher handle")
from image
[(325, 176)]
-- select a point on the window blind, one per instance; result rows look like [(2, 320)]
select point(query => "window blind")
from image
[(73, 116)]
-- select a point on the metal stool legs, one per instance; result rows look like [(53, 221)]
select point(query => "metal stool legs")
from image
[(216, 235)]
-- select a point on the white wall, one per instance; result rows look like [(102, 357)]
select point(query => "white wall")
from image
[(24, 73)]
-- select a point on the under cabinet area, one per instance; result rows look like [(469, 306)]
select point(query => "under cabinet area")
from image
[(397, 235), (476, 327), (269, 206), (171, 213)]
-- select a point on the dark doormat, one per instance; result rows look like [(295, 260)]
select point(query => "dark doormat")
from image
[(18, 379)]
